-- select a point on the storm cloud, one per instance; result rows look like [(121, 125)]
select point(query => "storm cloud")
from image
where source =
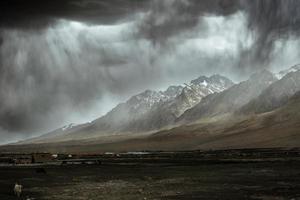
[(269, 21), (73, 60), (35, 14)]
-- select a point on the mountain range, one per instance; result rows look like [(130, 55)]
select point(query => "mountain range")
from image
[(147, 111), (208, 112)]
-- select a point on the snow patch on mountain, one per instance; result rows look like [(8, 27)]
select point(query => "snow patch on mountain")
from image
[(282, 73), (198, 88), (67, 127), (144, 101)]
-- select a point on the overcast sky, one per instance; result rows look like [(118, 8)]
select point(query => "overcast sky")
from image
[(73, 60)]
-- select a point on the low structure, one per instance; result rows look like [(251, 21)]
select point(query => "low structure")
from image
[(81, 161)]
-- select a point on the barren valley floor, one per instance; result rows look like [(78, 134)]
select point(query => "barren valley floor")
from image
[(238, 180)]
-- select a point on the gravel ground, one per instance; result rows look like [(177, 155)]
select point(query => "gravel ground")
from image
[(264, 180)]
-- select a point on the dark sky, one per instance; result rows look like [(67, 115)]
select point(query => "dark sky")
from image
[(64, 61)]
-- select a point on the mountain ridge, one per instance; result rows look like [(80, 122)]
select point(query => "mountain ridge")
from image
[(149, 110), (276, 95), (204, 100), (279, 128), (231, 99)]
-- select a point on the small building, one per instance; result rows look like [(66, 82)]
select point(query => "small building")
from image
[(54, 156), (41, 157)]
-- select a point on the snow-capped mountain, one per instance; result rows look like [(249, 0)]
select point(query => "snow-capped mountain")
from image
[(149, 110), (196, 90), (144, 101), (202, 98), (231, 99), (166, 112), (153, 110)]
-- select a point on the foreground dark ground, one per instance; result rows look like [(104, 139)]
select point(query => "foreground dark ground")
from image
[(211, 180)]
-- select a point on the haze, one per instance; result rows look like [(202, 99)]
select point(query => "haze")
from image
[(72, 61)]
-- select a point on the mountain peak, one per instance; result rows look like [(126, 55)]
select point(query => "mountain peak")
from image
[(276, 95), (214, 79), (199, 80), (282, 73)]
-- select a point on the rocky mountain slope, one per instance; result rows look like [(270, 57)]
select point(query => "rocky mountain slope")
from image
[(231, 99), (196, 90), (276, 95), (136, 107), (165, 113), (152, 110)]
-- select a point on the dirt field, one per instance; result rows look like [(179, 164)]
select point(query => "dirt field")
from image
[(263, 180)]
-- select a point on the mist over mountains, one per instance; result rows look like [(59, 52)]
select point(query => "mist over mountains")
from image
[(206, 107), (276, 95), (72, 61)]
